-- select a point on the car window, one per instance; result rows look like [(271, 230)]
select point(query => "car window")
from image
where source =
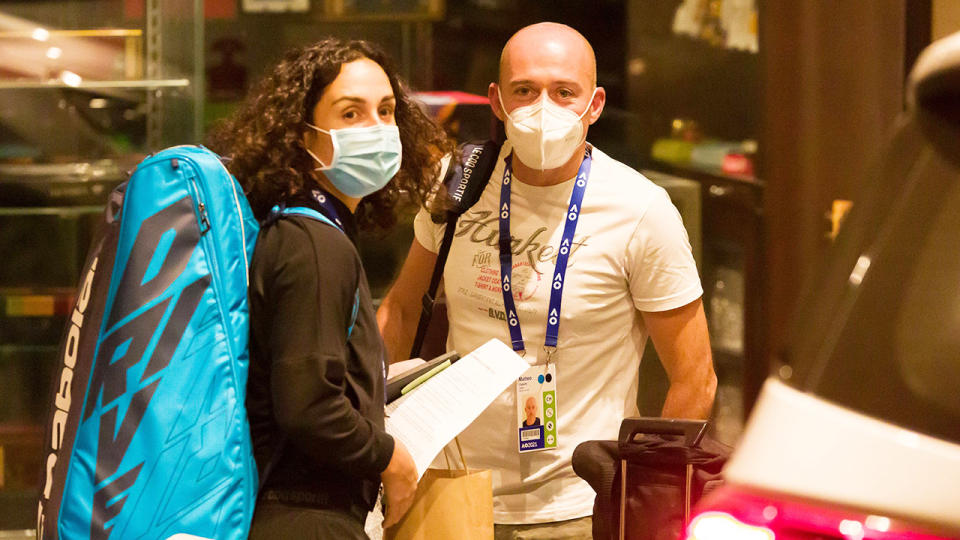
[(879, 331)]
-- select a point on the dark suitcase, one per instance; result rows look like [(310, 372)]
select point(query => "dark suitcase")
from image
[(647, 481)]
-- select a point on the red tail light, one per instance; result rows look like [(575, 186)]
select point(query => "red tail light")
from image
[(734, 513), (723, 526)]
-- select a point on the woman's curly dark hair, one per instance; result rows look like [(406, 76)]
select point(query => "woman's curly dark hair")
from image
[(264, 138)]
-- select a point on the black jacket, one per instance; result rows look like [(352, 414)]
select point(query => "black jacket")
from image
[(310, 385)]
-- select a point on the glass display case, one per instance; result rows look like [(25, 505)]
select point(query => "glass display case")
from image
[(85, 93)]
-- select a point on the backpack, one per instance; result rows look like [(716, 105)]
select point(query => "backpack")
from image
[(464, 183), (148, 433)]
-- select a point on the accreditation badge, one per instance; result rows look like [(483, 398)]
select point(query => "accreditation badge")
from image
[(537, 408)]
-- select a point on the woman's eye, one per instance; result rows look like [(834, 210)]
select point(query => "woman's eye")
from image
[(349, 115), (386, 111)]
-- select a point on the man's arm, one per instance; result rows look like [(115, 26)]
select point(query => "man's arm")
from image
[(399, 311), (683, 345)]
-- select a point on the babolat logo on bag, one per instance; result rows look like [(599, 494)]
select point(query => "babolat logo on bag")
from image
[(148, 435)]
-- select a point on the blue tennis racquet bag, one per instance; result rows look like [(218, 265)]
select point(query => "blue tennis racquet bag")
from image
[(148, 434)]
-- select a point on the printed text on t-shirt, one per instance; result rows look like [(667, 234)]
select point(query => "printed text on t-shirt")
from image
[(481, 226)]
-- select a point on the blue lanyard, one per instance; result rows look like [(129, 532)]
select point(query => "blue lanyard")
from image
[(329, 210), (327, 213), (566, 242)]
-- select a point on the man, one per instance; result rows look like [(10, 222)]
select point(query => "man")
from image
[(623, 271), (530, 409)]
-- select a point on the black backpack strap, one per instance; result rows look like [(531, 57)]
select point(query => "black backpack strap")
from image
[(464, 182), (430, 298)]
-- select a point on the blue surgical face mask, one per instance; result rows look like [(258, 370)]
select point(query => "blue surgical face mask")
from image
[(364, 158)]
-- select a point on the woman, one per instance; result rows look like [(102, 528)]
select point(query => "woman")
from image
[(324, 131)]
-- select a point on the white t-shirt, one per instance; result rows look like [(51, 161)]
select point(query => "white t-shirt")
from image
[(630, 254)]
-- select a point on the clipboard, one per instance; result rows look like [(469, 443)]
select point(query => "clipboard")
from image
[(398, 386)]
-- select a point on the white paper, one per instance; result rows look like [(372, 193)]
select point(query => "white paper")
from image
[(428, 418)]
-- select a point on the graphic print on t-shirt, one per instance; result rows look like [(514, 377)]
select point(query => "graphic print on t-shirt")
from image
[(534, 258), (480, 228)]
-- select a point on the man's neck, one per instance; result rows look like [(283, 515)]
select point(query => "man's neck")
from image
[(549, 177)]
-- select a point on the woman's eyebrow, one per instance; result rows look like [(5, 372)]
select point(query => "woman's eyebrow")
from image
[(352, 99), (360, 100)]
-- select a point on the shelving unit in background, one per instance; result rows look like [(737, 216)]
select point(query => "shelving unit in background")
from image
[(80, 106), (686, 75)]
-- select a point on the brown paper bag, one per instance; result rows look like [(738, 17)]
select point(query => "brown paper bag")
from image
[(450, 503)]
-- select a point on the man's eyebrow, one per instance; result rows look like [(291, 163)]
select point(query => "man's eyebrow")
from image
[(565, 82)]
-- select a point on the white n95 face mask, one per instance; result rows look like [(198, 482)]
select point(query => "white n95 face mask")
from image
[(544, 135), (364, 158)]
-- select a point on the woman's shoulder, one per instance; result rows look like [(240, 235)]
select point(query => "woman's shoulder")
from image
[(297, 229), (305, 242)]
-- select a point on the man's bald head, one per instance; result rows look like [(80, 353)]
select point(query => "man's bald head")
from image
[(533, 42), (547, 63)]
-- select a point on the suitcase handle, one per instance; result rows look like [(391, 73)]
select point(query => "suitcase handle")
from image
[(691, 430)]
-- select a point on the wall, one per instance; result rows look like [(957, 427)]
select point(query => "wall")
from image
[(833, 76)]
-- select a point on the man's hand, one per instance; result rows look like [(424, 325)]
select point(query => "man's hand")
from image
[(399, 484)]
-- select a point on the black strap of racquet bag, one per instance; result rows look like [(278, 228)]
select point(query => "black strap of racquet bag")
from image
[(464, 182)]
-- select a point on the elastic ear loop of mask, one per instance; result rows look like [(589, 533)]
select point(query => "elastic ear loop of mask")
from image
[(323, 166)]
